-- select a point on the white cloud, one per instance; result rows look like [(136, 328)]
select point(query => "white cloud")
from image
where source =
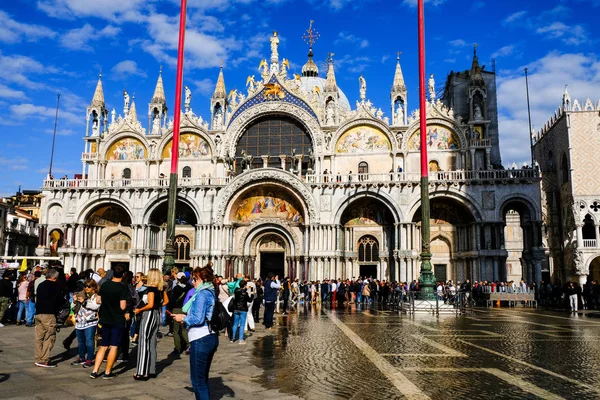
[(60, 132), (350, 38), (114, 10), (14, 163), (457, 43), (77, 39), (125, 69), (22, 112), (547, 79), (504, 51), (573, 35), (514, 17), (8, 93), (12, 31), (17, 69), (205, 86)]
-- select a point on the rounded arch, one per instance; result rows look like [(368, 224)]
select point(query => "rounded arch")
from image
[(118, 241), (461, 198), (107, 147), (186, 129), (368, 122), (451, 125), (520, 203), (262, 229), (446, 210), (383, 198), (90, 206), (368, 249), (108, 215), (242, 121), (54, 212), (160, 202), (226, 198), (593, 268)]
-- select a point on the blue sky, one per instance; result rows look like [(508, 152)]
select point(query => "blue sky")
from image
[(59, 46)]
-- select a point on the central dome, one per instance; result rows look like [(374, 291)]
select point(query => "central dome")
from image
[(308, 83)]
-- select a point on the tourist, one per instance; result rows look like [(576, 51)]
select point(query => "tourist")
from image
[(30, 314), (286, 294), (132, 300), (6, 293), (572, 295), (113, 299), (257, 301), (49, 301), (85, 308), (271, 288), (203, 341), (146, 356), (176, 302), (250, 326), (22, 286), (141, 297), (240, 311)]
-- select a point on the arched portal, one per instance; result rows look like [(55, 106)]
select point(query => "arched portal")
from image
[(56, 240), (520, 236), (453, 231), (369, 238), (111, 224), (594, 274), (270, 248), (185, 232)]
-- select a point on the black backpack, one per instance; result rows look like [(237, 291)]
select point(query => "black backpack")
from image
[(220, 317)]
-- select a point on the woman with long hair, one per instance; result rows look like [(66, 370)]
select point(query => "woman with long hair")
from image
[(86, 308), (21, 291), (146, 357), (196, 318)]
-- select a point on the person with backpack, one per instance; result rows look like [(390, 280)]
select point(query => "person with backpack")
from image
[(241, 298), (49, 300), (198, 320)]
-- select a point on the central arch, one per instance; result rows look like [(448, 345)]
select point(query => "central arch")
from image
[(271, 247)]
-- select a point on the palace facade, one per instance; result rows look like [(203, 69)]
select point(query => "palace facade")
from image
[(289, 177)]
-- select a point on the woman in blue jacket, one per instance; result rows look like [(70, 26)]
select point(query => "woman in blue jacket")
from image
[(196, 318)]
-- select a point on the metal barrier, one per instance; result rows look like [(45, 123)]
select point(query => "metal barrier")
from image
[(459, 303)]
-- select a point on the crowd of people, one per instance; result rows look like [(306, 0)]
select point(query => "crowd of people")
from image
[(116, 314)]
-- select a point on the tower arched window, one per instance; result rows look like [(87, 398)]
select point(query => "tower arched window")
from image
[(565, 168), (126, 173), (363, 167), (368, 249), (187, 172), (182, 247)]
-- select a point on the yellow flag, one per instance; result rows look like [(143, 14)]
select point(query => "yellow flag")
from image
[(23, 265)]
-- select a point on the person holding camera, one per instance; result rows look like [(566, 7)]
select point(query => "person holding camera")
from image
[(240, 311)]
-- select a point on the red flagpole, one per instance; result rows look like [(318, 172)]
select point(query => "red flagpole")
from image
[(422, 101), (178, 89)]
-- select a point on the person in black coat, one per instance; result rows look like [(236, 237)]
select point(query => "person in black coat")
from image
[(240, 311)]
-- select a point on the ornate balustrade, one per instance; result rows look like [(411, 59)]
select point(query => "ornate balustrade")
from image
[(468, 177), (481, 143)]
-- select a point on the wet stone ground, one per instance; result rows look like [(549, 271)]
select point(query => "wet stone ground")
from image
[(355, 352)]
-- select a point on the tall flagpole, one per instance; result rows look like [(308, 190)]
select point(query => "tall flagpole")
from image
[(54, 136), (426, 278), (529, 116), (169, 260)]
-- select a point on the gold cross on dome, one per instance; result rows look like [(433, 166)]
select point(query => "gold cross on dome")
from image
[(311, 35)]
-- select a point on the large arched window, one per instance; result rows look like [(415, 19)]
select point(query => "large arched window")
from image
[(368, 249), (182, 247), (363, 168), (273, 136), (187, 172), (126, 173)]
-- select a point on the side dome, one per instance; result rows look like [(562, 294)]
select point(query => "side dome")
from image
[(307, 83)]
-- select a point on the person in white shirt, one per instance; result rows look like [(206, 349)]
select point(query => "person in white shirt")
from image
[(251, 287)]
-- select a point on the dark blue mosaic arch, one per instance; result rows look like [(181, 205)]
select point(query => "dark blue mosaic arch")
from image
[(259, 98)]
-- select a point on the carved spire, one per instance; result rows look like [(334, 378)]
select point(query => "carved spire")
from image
[(132, 114), (566, 100), (159, 91), (476, 76), (310, 37), (398, 85), (330, 84), (98, 99), (220, 92)]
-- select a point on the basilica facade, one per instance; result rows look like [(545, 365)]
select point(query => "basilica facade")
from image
[(288, 177)]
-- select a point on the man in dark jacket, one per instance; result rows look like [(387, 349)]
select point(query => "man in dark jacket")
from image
[(49, 299), (271, 287), (175, 306), (6, 293)]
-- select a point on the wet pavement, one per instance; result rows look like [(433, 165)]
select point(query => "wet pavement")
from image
[(356, 352), (374, 353)]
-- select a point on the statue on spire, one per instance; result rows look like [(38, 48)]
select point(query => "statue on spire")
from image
[(188, 99), (274, 43), (363, 88), (431, 85), (126, 100)]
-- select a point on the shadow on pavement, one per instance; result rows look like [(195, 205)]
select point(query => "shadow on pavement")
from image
[(4, 377), (217, 388)]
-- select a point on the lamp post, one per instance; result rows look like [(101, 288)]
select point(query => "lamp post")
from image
[(169, 260), (426, 278)]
